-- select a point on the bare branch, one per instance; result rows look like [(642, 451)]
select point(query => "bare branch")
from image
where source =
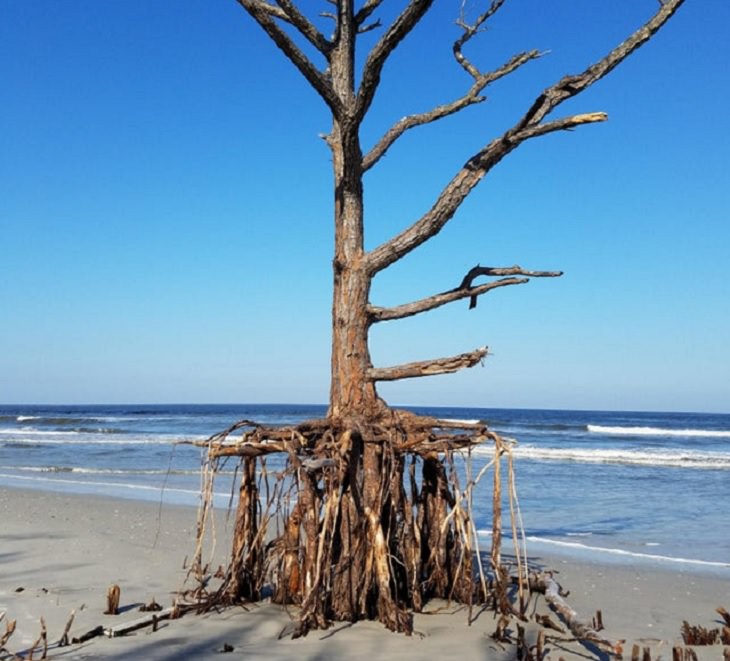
[(411, 121), (436, 301), (262, 13), (366, 11), (442, 210), (399, 29), (563, 124), (428, 367), (478, 271), (469, 31), (276, 12), (528, 127), (464, 290), (305, 27), (470, 98), (370, 26), (569, 86)]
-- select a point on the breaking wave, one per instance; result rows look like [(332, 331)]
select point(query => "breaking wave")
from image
[(75, 438), (657, 431), (98, 471), (670, 459)]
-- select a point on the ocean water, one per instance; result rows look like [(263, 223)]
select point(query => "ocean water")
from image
[(611, 486)]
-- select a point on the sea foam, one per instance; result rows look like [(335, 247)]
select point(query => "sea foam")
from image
[(586, 548), (578, 547)]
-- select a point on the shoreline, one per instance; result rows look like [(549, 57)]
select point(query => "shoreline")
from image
[(64, 550), (587, 550)]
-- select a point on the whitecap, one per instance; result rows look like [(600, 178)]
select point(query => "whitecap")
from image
[(657, 431), (625, 457)]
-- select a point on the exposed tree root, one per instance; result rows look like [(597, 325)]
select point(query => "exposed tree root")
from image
[(368, 519)]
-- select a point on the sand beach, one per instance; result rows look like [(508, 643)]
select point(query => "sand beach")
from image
[(60, 552)]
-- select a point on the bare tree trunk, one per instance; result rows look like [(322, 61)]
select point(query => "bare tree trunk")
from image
[(351, 391)]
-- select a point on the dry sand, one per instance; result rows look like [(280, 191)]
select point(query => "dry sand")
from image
[(60, 552)]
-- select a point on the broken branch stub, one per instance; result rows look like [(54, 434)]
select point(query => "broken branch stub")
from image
[(428, 367)]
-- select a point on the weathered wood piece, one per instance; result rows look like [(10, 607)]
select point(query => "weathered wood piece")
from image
[(9, 631), (92, 633), (63, 640), (547, 622), (581, 629), (41, 641), (140, 623)]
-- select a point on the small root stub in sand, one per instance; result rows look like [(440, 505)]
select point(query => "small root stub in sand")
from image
[(113, 594), (683, 654), (723, 614), (698, 635), (151, 607)]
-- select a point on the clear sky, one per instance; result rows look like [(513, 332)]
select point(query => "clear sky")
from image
[(166, 220)]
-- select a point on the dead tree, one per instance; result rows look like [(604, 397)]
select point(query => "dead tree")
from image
[(375, 520)]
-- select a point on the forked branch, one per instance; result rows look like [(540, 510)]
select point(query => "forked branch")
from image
[(428, 367), (366, 11), (472, 97), (437, 300), (570, 86), (471, 29), (394, 35), (264, 13), (305, 27), (477, 271), (530, 126), (465, 290)]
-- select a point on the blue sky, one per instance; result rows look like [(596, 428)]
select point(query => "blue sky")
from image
[(165, 211)]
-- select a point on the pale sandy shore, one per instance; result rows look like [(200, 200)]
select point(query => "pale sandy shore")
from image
[(60, 552)]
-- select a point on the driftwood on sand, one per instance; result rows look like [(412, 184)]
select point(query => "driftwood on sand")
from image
[(583, 630)]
